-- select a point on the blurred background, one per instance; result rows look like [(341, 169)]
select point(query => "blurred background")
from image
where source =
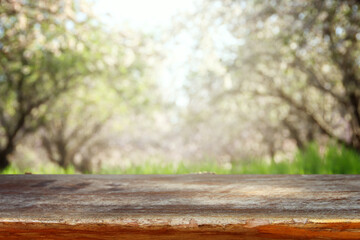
[(181, 86)]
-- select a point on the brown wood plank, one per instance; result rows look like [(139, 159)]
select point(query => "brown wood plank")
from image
[(195, 206)]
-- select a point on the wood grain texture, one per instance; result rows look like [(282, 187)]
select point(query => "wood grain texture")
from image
[(195, 206)]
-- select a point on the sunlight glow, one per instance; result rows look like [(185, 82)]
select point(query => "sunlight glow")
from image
[(142, 14)]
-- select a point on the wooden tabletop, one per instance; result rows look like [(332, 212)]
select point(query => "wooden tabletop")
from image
[(194, 206)]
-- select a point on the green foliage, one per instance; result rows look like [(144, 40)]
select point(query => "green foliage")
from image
[(41, 59), (312, 160), (63, 77)]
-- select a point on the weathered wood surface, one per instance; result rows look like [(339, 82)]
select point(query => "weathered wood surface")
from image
[(179, 206)]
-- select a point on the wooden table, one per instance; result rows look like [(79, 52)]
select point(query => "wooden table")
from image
[(195, 206)]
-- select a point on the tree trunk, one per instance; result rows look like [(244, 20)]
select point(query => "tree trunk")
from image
[(355, 143), (4, 157), (352, 85), (294, 134)]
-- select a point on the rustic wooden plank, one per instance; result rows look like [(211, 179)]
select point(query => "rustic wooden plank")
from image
[(195, 206)]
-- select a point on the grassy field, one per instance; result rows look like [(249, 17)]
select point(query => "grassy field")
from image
[(332, 160)]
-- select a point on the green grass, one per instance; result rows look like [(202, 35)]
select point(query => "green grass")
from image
[(167, 168), (331, 160), (49, 169)]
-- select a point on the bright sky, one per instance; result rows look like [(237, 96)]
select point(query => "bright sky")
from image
[(145, 15), (153, 16)]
